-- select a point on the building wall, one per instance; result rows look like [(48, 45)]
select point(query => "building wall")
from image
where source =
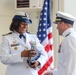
[(70, 7)]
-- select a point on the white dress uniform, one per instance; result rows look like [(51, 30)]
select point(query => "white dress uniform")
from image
[(10, 52), (67, 54)]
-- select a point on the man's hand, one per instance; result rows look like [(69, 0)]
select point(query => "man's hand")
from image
[(34, 64), (48, 72)]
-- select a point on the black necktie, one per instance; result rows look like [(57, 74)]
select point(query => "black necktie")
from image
[(21, 35)]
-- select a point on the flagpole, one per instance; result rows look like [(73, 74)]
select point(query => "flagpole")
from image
[(58, 5), (44, 34), (60, 38)]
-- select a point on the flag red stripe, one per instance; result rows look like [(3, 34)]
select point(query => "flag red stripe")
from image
[(49, 35), (45, 29), (47, 64), (48, 47)]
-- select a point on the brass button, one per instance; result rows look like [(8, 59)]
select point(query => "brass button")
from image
[(27, 66)]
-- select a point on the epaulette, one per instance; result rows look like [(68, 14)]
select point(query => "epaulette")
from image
[(67, 34), (7, 34), (29, 33)]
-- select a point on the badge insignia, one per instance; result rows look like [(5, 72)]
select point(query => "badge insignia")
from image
[(15, 48), (14, 44), (59, 51), (26, 47), (27, 67)]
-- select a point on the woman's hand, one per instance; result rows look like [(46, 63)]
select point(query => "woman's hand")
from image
[(28, 53), (34, 64)]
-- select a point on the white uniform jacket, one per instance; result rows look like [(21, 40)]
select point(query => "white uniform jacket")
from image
[(10, 53), (67, 54)]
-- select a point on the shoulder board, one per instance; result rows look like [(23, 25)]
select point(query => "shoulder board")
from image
[(67, 34), (29, 32), (7, 34)]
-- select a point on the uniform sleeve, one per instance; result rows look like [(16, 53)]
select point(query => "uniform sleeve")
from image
[(6, 56), (55, 71), (69, 46), (43, 57), (71, 56)]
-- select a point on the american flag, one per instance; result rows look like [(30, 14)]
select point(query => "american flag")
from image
[(45, 35)]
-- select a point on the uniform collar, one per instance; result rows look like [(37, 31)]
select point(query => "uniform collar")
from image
[(67, 32), (19, 34)]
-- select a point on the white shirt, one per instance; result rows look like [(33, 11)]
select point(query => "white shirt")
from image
[(67, 56), (10, 52)]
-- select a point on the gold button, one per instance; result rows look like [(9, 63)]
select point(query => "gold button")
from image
[(16, 48), (27, 66), (26, 47)]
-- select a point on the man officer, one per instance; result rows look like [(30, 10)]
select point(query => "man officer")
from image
[(67, 50)]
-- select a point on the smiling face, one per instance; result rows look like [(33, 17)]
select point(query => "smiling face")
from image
[(22, 27), (61, 26)]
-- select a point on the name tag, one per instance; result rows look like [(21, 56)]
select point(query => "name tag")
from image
[(14, 44)]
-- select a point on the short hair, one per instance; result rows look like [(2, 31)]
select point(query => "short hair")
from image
[(15, 25)]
